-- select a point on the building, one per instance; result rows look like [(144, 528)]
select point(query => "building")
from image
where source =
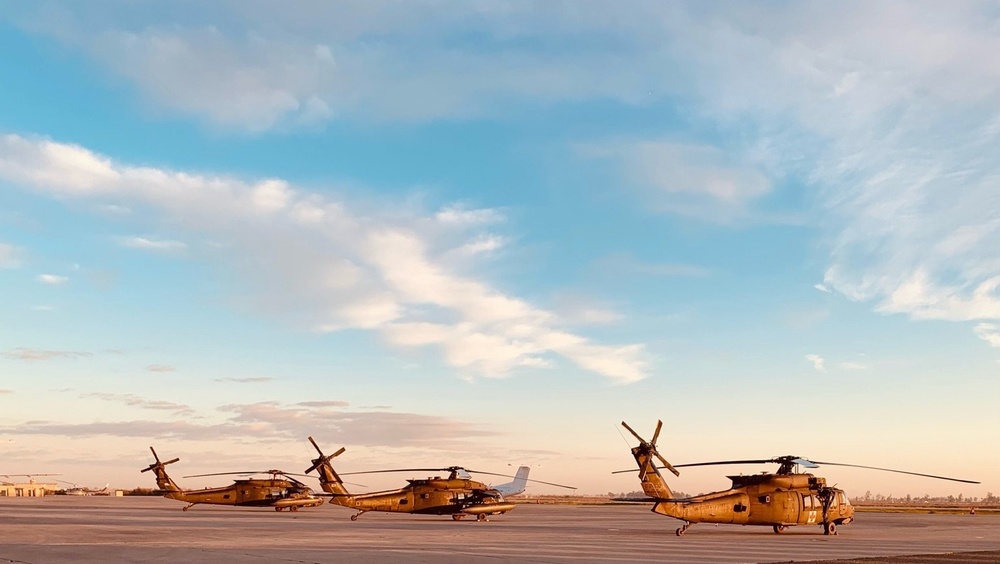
[(29, 489)]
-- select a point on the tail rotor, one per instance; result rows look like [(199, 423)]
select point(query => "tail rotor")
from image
[(157, 466), (323, 459), (649, 448)]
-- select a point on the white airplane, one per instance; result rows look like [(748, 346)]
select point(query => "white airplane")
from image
[(518, 485)]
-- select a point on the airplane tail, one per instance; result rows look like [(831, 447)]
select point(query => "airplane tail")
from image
[(328, 478), (517, 486), (646, 456), (163, 481)]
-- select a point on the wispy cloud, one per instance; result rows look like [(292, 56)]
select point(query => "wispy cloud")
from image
[(686, 179), (988, 332), (144, 243), (6, 391), (273, 420), (52, 279), (137, 401), (21, 353), (329, 267), (626, 264), (10, 256), (853, 366), (817, 361), (160, 368), (251, 380)]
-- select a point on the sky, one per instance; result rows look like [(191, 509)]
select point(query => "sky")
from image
[(485, 233)]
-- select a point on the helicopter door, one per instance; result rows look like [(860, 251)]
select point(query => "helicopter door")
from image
[(789, 506)]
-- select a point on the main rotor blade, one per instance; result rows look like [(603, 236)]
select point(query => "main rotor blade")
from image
[(515, 477), (723, 462), (634, 434), (897, 471), (397, 470), (656, 433), (154, 454), (224, 474), (316, 446)]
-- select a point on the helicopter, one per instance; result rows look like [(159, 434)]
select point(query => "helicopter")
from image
[(780, 500), (280, 490), (457, 495)]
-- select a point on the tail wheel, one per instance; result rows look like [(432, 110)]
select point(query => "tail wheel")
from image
[(779, 528), (457, 517)]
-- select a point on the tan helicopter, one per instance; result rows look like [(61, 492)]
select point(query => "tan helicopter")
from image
[(281, 493), (778, 500), (457, 495)]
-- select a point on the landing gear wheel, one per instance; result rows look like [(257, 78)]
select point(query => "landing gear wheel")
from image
[(481, 517), (457, 517), (681, 530), (294, 508), (830, 528), (354, 517), (277, 509), (779, 529), (185, 508)]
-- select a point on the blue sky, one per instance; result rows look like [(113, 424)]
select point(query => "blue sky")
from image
[(483, 233)]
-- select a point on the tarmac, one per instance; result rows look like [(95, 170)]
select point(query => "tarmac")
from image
[(63, 529)]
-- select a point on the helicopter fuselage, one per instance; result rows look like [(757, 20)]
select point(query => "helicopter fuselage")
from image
[(433, 496), (254, 492), (765, 499)]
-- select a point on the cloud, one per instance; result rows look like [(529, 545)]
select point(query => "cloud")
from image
[(137, 401), (330, 403), (318, 264), (686, 179), (21, 353), (273, 420), (623, 263), (52, 279), (853, 366), (143, 243), (160, 368), (822, 288), (10, 256), (817, 362), (988, 332), (6, 391), (252, 380)]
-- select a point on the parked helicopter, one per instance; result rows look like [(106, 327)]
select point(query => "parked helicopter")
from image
[(778, 500), (457, 495), (279, 491)]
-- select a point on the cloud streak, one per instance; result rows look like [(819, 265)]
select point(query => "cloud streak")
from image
[(21, 353), (326, 420), (9, 256), (326, 267)]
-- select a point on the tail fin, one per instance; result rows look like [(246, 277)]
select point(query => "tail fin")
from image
[(645, 456), (163, 481), (328, 478), (517, 486)]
